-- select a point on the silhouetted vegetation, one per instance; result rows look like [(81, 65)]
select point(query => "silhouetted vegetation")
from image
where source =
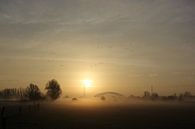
[(3, 118), (74, 99), (13, 93), (103, 98), (53, 89), (33, 92), (174, 97)]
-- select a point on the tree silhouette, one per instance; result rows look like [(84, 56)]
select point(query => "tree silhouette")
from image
[(33, 92), (103, 98), (53, 89)]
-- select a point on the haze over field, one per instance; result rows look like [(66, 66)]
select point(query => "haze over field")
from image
[(122, 45)]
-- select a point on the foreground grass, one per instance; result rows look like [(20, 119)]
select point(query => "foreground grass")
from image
[(93, 114)]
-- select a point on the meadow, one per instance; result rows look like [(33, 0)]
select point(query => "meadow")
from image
[(96, 114)]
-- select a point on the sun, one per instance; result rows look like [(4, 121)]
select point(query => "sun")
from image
[(87, 83)]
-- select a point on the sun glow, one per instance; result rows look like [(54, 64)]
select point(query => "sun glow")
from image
[(87, 83)]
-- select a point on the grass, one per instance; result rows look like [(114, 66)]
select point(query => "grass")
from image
[(93, 114)]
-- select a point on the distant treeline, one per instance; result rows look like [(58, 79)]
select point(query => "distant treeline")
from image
[(13, 93), (154, 96), (32, 92)]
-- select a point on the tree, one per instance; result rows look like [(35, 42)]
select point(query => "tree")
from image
[(103, 98), (187, 94), (14, 93), (33, 92), (53, 89), (146, 94)]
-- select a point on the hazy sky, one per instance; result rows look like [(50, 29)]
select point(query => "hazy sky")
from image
[(122, 45)]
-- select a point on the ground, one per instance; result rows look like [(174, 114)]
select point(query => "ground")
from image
[(88, 114)]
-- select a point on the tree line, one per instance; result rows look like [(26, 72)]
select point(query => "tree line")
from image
[(32, 92)]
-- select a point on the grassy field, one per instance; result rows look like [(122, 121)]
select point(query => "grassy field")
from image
[(93, 114)]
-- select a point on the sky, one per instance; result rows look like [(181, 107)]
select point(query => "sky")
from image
[(122, 45)]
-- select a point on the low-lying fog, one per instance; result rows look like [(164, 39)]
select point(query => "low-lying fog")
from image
[(123, 102), (98, 113)]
